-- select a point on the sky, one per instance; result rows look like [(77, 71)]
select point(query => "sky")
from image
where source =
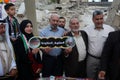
[(99, 0)]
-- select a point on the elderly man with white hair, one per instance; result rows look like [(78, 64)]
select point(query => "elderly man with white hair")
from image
[(7, 62)]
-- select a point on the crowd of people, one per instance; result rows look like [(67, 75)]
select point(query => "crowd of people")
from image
[(95, 54)]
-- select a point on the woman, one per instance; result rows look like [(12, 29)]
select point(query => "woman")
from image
[(28, 60)]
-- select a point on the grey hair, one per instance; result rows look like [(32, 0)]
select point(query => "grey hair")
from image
[(97, 12), (72, 19)]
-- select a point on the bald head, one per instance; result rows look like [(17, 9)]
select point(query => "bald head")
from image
[(54, 15), (54, 20)]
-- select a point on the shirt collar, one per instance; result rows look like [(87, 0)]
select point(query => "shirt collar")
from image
[(76, 36), (100, 28), (10, 18)]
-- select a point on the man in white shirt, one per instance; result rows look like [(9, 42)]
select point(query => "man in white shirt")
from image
[(7, 62), (97, 35)]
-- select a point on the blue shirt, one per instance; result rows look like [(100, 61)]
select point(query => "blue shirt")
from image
[(47, 32)]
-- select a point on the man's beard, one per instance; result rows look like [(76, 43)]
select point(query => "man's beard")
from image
[(99, 26), (2, 37), (74, 30), (54, 27), (61, 26)]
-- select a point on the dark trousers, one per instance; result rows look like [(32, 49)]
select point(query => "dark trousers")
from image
[(7, 78), (52, 65), (77, 70)]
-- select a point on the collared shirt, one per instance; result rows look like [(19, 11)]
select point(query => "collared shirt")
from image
[(80, 46), (96, 38), (47, 32)]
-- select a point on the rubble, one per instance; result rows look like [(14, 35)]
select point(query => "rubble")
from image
[(69, 9)]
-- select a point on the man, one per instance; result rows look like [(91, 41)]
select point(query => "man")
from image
[(62, 22), (7, 62), (97, 35), (110, 59), (75, 61), (52, 59)]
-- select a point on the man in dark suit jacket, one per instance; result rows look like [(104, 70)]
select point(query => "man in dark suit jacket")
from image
[(110, 60), (75, 58)]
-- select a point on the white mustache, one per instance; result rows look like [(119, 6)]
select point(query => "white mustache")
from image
[(74, 30)]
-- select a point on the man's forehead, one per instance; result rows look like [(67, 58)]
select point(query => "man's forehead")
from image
[(61, 19), (12, 7), (55, 17), (74, 21), (101, 15)]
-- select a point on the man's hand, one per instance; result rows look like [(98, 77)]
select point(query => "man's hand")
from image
[(101, 75), (68, 50), (47, 50), (65, 33), (38, 70), (36, 50), (13, 39), (13, 72)]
